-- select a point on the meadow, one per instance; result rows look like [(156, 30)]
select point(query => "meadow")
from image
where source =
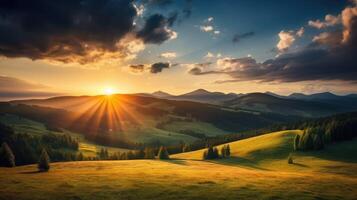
[(258, 169)]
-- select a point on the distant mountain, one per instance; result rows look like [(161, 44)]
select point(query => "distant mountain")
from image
[(204, 96), (299, 107), (161, 94), (323, 95)]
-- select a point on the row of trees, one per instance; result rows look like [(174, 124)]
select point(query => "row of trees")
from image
[(318, 135), (7, 158), (213, 153)]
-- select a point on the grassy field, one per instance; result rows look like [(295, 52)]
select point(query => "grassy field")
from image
[(23, 125), (258, 169)]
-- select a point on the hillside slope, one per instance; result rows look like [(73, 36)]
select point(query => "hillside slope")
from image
[(257, 170), (270, 152)]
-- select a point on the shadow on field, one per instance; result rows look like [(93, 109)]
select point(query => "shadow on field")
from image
[(31, 172), (176, 161), (238, 162)]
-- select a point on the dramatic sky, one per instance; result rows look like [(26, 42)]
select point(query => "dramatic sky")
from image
[(85, 46)]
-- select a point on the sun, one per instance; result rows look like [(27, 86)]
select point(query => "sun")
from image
[(108, 91)]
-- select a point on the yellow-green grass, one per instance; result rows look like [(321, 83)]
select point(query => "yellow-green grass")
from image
[(198, 127), (271, 151), (23, 125), (176, 179)]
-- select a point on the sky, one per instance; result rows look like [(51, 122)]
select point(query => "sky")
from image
[(84, 47)]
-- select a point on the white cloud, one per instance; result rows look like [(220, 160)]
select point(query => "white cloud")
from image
[(210, 19), (300, 32), (169, 55), (330, 20), (287, 38), (216, 32), (207, 28)]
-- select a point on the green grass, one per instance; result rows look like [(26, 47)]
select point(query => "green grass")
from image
[(258, 169), (23, 125), (198, 127)]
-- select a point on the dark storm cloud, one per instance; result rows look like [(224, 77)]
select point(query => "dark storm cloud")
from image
[(158, 2), (330, 56), (158, 67), (156, 29), (137, 68), (238, 37), (61, 29)]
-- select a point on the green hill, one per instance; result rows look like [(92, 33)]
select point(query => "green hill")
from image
[(258, 169)]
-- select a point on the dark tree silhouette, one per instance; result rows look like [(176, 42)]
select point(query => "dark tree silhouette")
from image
[(7, 158), (163, 154), (44, 162)]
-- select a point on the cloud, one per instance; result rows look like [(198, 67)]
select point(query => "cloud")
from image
[(329, 57), (156, 30), (286, 39), (210, 55), (137, 68), (238, 37), (13, 88), (65, 31), (330, 20), (162, 3), (207, 28), (158, 67), (300, 32), (168, 55)]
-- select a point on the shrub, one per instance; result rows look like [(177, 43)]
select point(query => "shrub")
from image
[(44, 162), (7, 158), (163, 154)]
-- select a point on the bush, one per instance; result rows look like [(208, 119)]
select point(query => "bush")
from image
[(7, 158), (44, 162), (163, 154)]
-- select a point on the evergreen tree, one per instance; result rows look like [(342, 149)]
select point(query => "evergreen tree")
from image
[(290, 159), (296, 142), (149, 153), (228, 151), (163, 154), (215, 153), (80, 156), (44, 162), (7, 158), (223, 151)]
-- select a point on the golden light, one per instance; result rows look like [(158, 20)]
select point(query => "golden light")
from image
[(108, 91)]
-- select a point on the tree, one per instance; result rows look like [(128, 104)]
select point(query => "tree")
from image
[(290, 159), (80, 156), (7, 158), (223, 151), (163, 154), (228, 151), (186, 148), (296, 142), (149, 153), (44, 162)]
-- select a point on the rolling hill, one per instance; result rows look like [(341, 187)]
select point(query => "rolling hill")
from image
[(133, 118), (257, 170), (268, 103)]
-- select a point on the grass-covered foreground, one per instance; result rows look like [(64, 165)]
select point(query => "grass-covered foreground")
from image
[(258, 169)]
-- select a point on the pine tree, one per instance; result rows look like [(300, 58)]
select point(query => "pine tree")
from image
[(223, 151), (163, 154), (149, 153), (44, 162), (228, 151), (290, 159), (80, 156), (215, 153), (296, 142), (7, 158)]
